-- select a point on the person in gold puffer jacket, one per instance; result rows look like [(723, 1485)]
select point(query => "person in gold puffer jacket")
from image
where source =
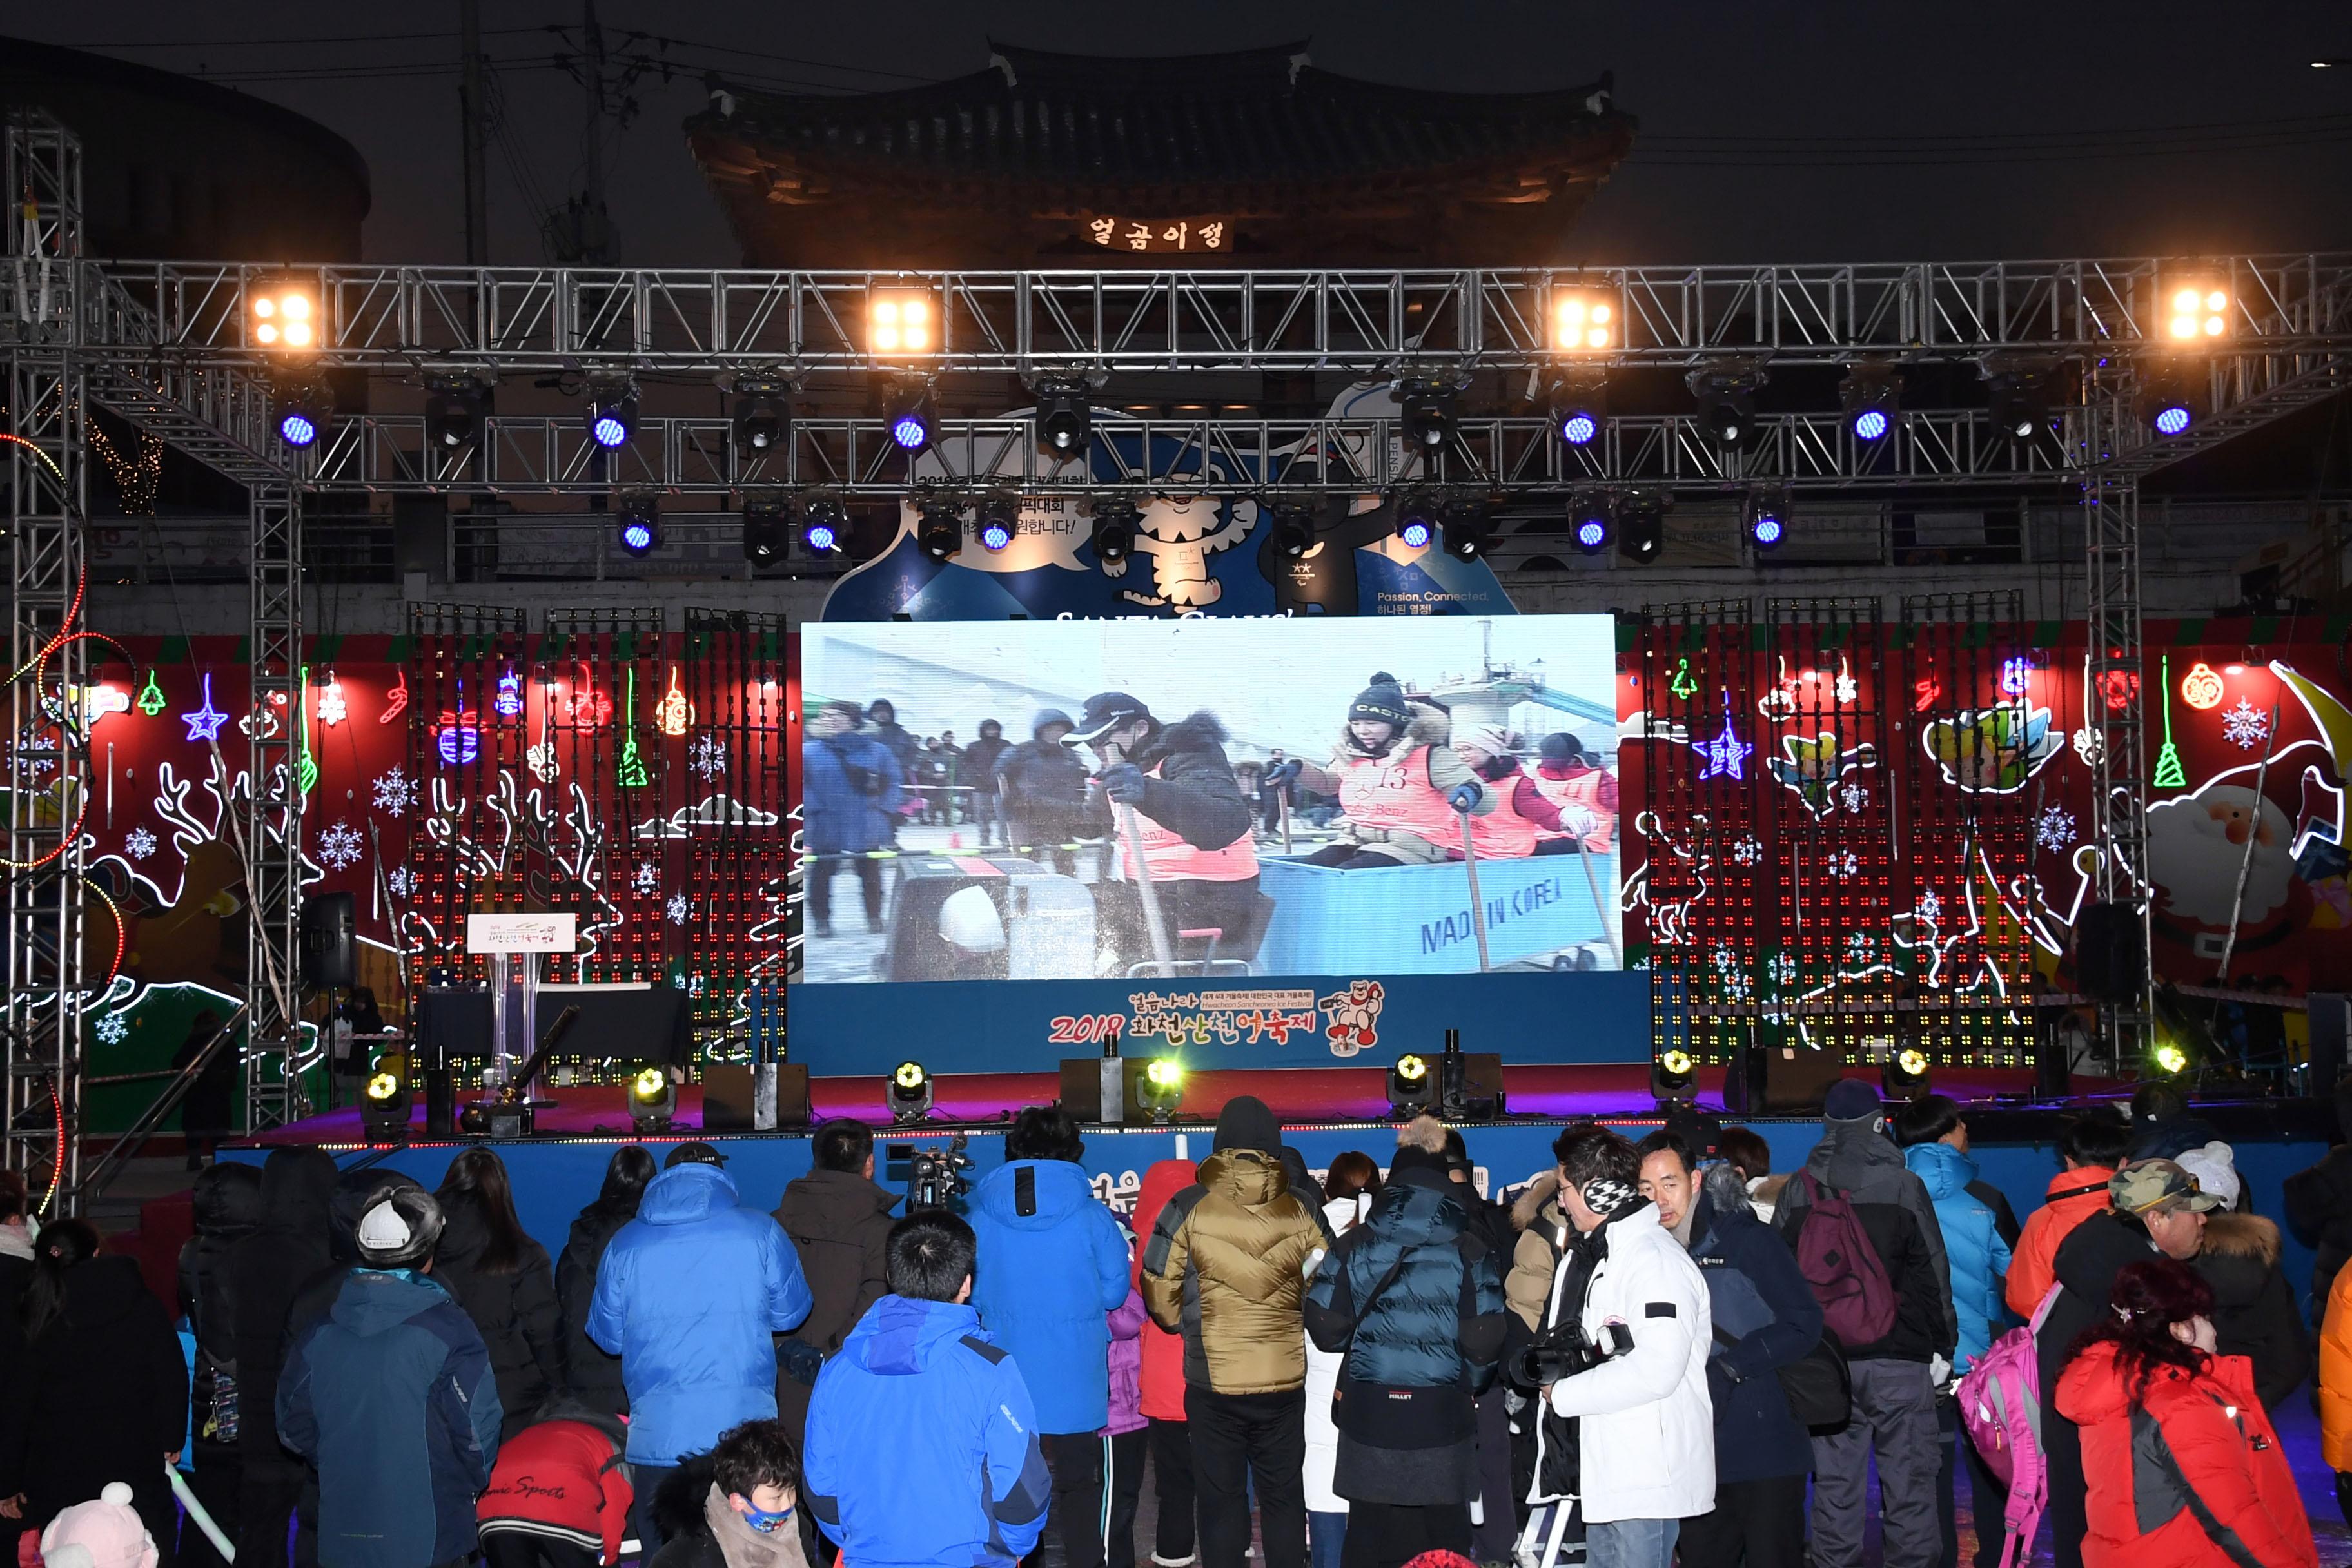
[(1226, 1268)]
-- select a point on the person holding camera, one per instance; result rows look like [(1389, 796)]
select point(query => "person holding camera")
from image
[(1622, 1351), (1413, 1296), (850, 793)]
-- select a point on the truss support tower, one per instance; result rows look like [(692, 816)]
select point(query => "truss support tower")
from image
[(2119, 747), (279, 771)]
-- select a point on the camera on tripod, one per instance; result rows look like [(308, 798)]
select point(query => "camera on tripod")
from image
[(935, 1177), (1564, 1350)]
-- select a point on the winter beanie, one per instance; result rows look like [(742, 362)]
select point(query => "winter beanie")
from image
[(1246, 1123), (106, 1533), (1382, 699), (1851, 1099), (1559, 746)]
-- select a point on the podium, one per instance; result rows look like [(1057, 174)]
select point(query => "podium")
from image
[(513, 943)]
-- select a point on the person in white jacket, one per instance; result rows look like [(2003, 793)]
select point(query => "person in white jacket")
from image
[(1647, 1425)]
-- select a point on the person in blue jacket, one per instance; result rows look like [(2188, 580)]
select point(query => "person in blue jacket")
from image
[(1052, 1266), (392, 1397), (850, 795), (1936, 1147), (922, 1448), (688, 1296), (1764, 1317)]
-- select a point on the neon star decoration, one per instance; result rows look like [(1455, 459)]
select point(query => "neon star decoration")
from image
[(151, 697), (1726, 754), (204, 723)]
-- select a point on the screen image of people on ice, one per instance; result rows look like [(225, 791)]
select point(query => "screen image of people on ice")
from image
[(1208, 798)]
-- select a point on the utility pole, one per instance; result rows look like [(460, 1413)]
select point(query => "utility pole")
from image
[(474, 120)]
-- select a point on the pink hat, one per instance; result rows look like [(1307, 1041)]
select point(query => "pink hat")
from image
[(107, 1533)]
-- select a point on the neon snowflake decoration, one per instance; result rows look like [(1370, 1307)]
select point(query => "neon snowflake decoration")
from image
[(340, 846), (1861, 947), (395, 792), (396, 879), (1747, 850), (646, 878), (1737, 986), (1854, 797), (707, 755), (139, 843), (2055, 828), (1930, 907), (675, 909), (1844, 864), (1784, 970), (2245, 726), (113, 1028)]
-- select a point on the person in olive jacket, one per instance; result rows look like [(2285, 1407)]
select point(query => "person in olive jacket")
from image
[(839, 1221), (504, 1280)]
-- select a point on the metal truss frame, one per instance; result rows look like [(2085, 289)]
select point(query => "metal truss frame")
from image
[(2117, 675), (41, 1078), (271, 814)]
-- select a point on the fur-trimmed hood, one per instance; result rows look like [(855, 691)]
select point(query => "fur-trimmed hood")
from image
[(1431, 726), (1197, 731), (2247, 1235), (1535, 1202)]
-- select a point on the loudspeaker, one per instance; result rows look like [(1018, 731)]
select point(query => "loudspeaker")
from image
[(1793, 1078), (1481, 1088), (2052, 1050), (330, 946), (2331, 1013), (420, 536), (1099, 1090), (754, 1097), (2110, 953)]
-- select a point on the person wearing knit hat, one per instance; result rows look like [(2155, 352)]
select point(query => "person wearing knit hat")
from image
[(1584, 791), (1225, 1267), (392, 1397), (1524, 821), (1896, 1372), (104, 1533), (1400, 786)]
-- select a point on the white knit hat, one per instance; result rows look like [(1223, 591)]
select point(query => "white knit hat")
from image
[(2216, 1170)]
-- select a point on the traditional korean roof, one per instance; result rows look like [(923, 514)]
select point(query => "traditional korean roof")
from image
[(1038, 143)]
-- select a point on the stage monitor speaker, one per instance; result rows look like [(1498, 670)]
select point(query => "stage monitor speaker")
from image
[(2331, 1019), (1099, 1091), (1791, 1079), (2053, 1048), (754, 1097), (1482, 1096), (331, 941), (2110, 953), (420, 536)]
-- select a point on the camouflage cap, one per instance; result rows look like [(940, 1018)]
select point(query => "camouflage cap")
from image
[(2147, 1186)]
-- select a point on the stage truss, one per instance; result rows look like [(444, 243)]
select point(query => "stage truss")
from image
[(166, 346)]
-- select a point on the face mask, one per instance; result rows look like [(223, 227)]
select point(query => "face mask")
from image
[(766, 1523)]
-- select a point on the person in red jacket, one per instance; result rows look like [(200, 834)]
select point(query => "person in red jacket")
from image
[(559, 1496), (1162, 1381), (2090, 1147), (2184, 1466)]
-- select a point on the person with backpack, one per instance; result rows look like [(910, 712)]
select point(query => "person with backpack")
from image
[(2090, 1148), (1868, 1242), (1763, 1317), (1935, 1143)]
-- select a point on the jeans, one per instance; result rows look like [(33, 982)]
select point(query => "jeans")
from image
[(1327, 1535), (1894, 1415), (1631, 1543), (1171, 1483), (1241, 1438), (1754, 1524), (647, 1480)]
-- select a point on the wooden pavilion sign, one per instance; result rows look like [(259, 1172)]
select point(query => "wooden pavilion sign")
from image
[(1153, 234)]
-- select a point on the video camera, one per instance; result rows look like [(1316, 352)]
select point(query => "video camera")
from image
[(935, 1177), (1564, 1350)]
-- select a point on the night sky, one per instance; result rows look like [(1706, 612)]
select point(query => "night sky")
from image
[(1885, 129)]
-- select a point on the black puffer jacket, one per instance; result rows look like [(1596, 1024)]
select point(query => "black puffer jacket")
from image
[(2254, 1307), (515, 1311), (1042, 781), (1892, 1203), (2319, 1207), (228, 1207), (2086, 1264), (1194, 794), (267, 1269), (838, 1221), (590, 1376)]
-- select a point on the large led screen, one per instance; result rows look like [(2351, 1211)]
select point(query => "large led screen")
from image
[(1129, 799)]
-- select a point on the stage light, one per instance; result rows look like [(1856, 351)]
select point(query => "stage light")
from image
[(913, 416), (639, 517), (384, 1107), (1413, 1088), (2172, 1058), (653, 1100), (1872, 395), (1576, 426), (1160, 1087), (761, 417), (1583, 320), (999, 523), (1416, 518), (282, 316), (1641, 528), (1903, 1075), (911, 1093), (2196, 309), (1766, 511), (2168, 400), (766, 529), (302, 409), (825, 526), (1590, 518), (1064, 416), (1425, 412), (901, 321), (453, 411), (2019, 400), (1724, 403), (611, 414), (1673, 1077), (1294, 528), (939, 535), (1468, 526), (1115, 523)]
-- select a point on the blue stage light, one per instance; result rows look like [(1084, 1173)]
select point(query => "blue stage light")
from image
[(612, 413), (296, 429), (1591, 534), (608, 431), (1578, 428), (819, 536), (994, 534), (1767, 531), (637, 536), (1870, 425), (910, 432), (2172, 419), (1415, 533)]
